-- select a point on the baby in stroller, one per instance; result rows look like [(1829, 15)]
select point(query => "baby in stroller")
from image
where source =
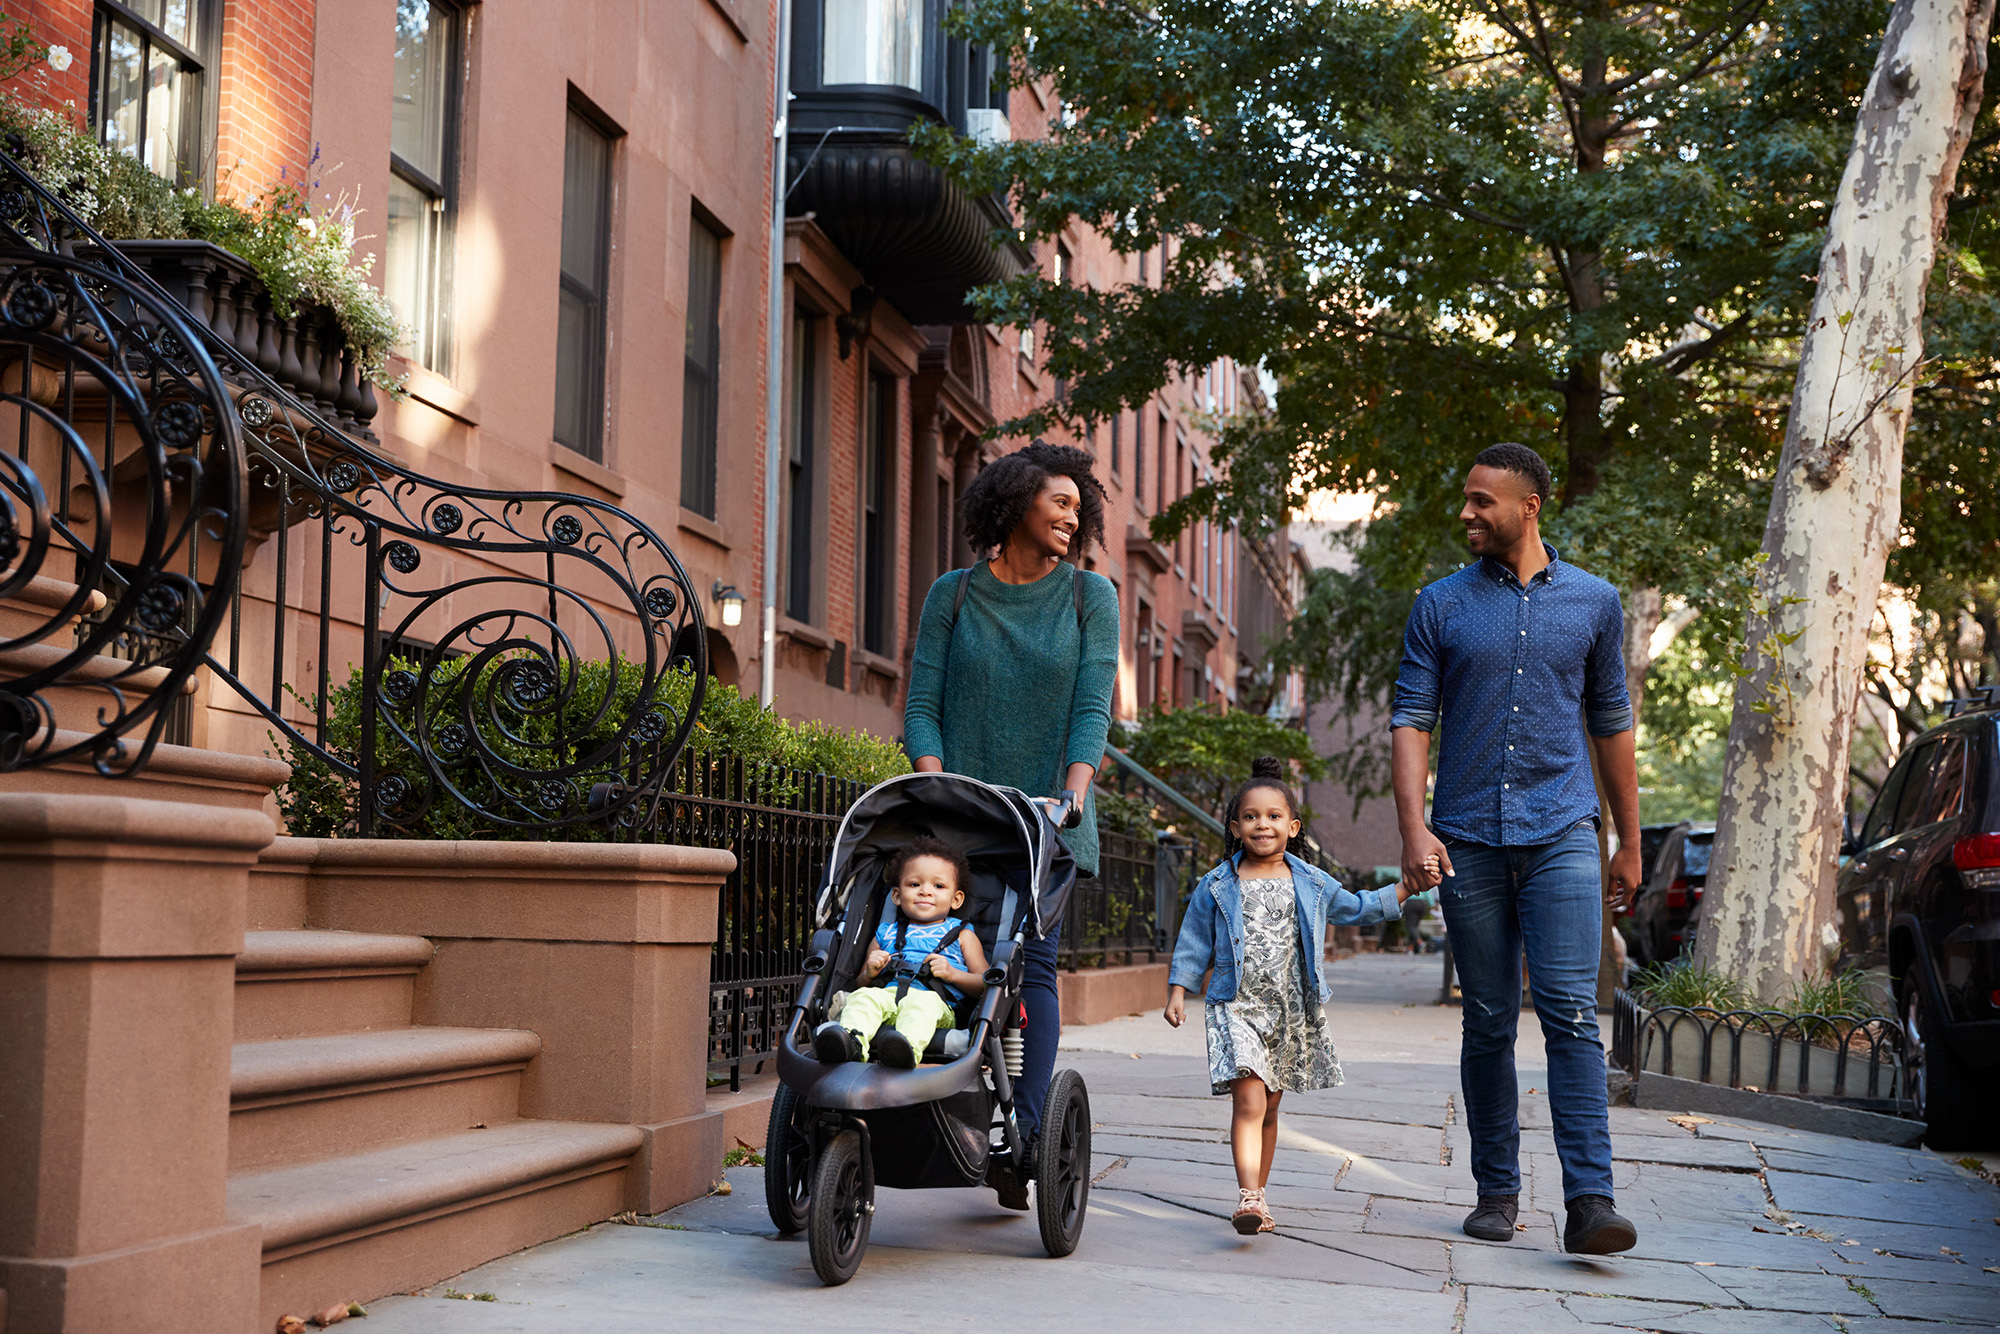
[(923, 964)]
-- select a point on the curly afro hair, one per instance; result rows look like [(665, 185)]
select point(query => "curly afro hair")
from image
[(998, 498), (923, 845)]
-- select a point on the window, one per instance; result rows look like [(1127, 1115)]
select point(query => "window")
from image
[(1139, 458), (147, 83), (878, 446), (874, 41), (702, 380), (1117, 443), (580, 315), (800, 451), (1881, 816), (423, 136), (1162, 478), (1945, 791)]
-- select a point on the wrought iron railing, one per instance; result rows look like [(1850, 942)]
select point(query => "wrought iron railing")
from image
[(781, 824), (1131, 911), (169, 506), (1840, 1056)]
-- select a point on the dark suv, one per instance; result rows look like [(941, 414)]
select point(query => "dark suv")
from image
[(1664, 911), (1920, 897)]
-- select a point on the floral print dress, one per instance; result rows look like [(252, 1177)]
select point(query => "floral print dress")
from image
[(1270, 1030)]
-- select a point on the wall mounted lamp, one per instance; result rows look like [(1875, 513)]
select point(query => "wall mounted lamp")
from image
[(730, 601)]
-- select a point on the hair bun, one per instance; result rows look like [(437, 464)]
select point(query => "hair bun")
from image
[(1267, 766)]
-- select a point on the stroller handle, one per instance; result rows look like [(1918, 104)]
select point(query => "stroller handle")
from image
[(1064, 812)]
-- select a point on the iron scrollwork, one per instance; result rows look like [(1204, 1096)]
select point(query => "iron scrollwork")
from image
[(514, 650)]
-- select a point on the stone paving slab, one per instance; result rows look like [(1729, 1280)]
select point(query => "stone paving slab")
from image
[(615, 1279), (1935, 1201), (1368, 1221)]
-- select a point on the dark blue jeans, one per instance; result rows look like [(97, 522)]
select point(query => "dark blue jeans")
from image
[(1546, 899), (1039, 1038)]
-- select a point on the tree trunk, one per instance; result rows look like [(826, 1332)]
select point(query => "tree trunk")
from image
[(1836, 505), (1642, 619)]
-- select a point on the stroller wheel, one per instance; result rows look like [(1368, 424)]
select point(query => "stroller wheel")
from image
[(787, 1163), (842, 1205), (1062, 1163)]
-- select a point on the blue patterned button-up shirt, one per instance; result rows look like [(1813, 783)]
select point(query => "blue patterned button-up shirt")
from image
[(1516, 676)]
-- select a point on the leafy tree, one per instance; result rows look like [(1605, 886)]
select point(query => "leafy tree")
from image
[(1206, 755), (1591, 225)]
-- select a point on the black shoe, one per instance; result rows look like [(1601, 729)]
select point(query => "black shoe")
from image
[(1007, 1184), (1594, 1228), (1494, 1219), (834, 1044), (892, 1049)]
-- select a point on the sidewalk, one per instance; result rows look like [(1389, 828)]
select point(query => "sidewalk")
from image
[(1744, 1229)]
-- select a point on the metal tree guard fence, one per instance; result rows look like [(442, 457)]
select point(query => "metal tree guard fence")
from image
[(188, 488), (1851, 1058)]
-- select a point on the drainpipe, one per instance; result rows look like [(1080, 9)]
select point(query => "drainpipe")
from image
[(774, 398)]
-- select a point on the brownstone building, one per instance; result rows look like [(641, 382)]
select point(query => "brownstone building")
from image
[(569, 205)]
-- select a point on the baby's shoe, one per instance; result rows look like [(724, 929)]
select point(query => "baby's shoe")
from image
[(834, 1044), (892, 1049), (1251, 1217)]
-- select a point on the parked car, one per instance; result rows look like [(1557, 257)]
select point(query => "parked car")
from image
[(1663, 913), (1920, 899), (1651, 837)]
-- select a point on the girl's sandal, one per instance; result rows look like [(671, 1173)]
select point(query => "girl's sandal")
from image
[(1269, 1224), (1251, 1216)]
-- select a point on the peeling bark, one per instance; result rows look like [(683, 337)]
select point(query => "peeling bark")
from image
[(1837, 503)]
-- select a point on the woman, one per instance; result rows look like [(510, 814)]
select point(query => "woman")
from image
[(1011, 683)]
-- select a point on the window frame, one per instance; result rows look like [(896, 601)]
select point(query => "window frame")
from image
[(709, 456), (592, 446), (203, 108), (875, 544), (804, 373), (444, 194)]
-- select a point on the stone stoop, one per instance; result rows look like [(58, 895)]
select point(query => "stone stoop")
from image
[(379, 1155), (1095, 995)]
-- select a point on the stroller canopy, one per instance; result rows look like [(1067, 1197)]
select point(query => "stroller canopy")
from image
[(1011, 845)]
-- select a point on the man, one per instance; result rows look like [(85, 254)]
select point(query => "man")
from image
[(1518, 656)]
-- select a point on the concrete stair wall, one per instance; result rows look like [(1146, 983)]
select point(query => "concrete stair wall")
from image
[(380, 1155)]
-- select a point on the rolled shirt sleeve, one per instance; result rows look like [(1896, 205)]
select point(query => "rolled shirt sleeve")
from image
[(1416, 701), (1607, 705)]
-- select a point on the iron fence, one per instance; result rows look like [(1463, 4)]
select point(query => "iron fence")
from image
[(780, 823), (164, 423), (1852, 1058), (1132, 908)]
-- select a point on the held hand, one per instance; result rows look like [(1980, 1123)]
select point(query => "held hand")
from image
[(1176, 1012), (878, 959), (1425, 861), (1625, 877), (942, 969)]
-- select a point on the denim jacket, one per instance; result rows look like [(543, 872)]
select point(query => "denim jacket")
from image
[(1212, 931)]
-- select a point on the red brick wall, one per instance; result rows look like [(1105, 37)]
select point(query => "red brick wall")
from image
[(58, 23), (264, 125)]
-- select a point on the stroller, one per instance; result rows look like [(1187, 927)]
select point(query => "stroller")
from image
[(838, 1131)]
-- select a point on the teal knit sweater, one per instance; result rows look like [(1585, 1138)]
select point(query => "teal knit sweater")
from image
[(1013, 694)]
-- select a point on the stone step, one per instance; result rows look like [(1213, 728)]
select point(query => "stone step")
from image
[(30, 607), (89, 689), (295, 984), (300, 1099), (358, 1227)]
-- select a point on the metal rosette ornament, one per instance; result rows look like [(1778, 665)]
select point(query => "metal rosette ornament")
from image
[(122, 528), (534, 648)]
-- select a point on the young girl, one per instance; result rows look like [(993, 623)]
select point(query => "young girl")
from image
[(1258, 920)]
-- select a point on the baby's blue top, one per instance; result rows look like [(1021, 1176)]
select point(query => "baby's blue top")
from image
[(922, 940)]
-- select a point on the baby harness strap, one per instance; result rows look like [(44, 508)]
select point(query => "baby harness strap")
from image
[(904, 973)]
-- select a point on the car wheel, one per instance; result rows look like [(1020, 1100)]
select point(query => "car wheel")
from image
[(1946, 1095)]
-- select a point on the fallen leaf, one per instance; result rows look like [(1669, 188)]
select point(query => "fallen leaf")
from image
[(742, 1143), (332, 1315), (479, 1126), (721, 1188), (1946, 1250), (1710, 1264), (1135, 1055), (1520, 1227), (1690, 1121), (356, 1308), (1993, 1269), (291, 1324)]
